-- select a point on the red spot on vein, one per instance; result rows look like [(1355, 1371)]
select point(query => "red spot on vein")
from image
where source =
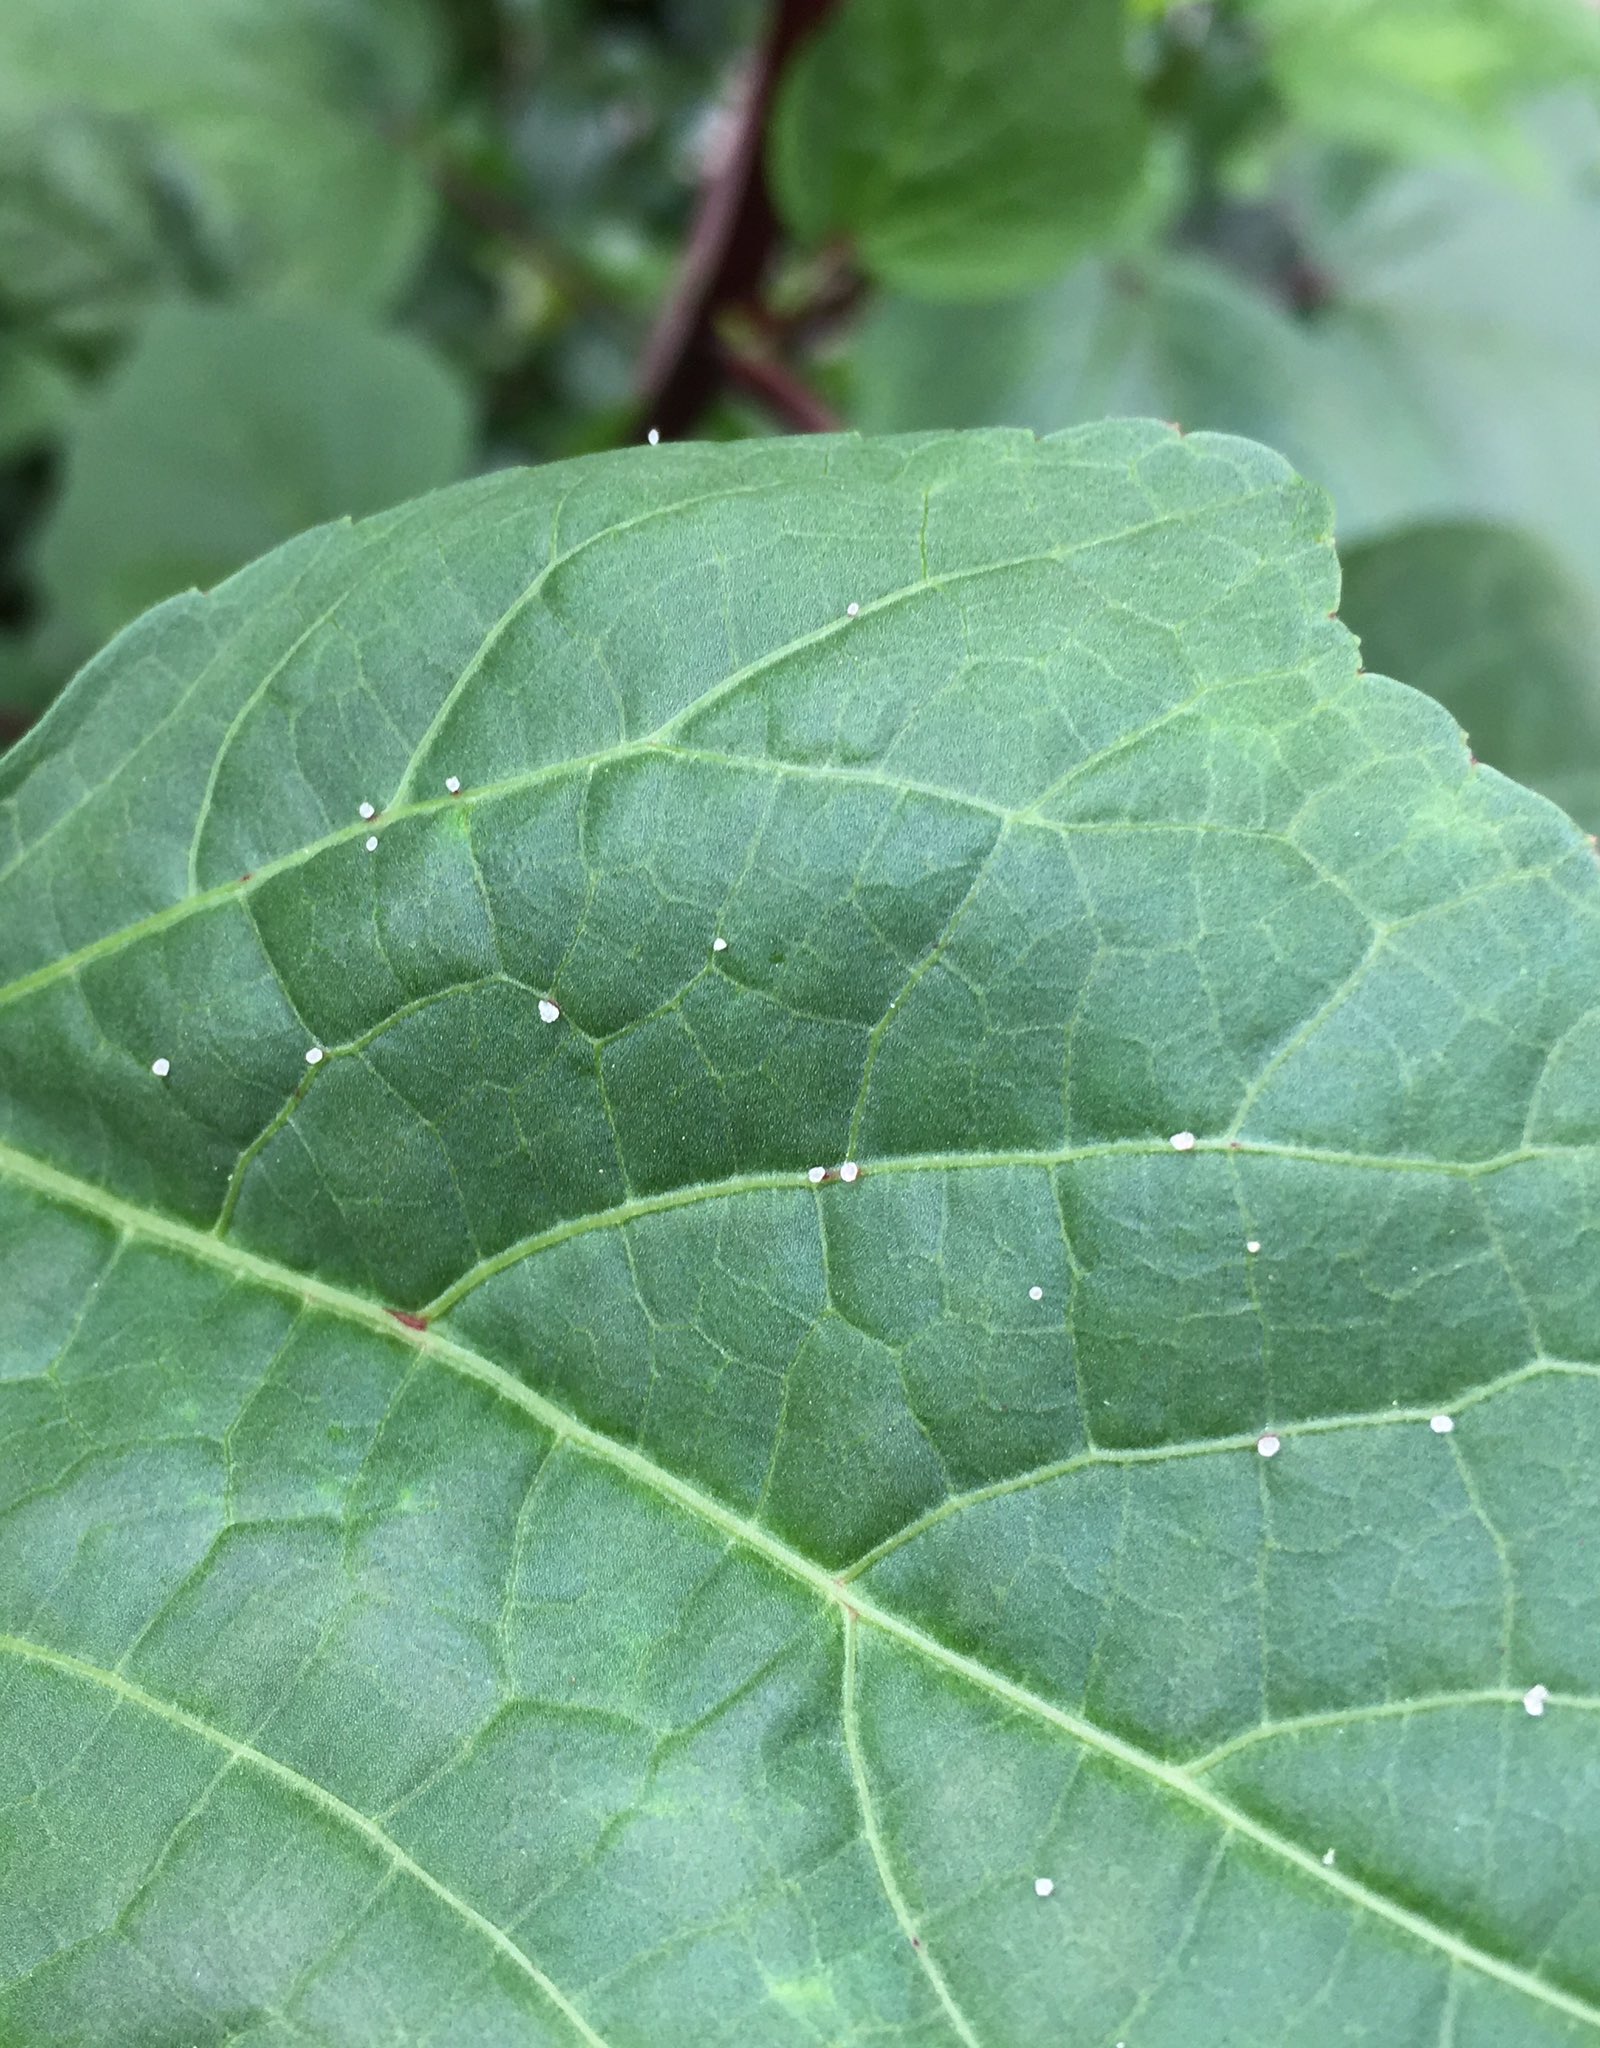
[(402, 1315), (247, 878)]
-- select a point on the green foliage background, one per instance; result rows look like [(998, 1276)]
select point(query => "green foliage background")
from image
[(1368, 234)]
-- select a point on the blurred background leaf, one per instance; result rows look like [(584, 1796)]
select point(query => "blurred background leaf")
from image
[(1424, 77), (265, 262), (1490, 622), (227, 431), (964, 150), (246, 145)]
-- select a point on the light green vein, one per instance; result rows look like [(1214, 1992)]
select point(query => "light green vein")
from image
[(1099, 1456), (1385, 1710), (343, 1814), (1180, 1781), (879, 1848), (399, 807), (535, 589), (780, 1180)]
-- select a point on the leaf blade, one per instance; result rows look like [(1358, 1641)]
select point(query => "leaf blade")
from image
[(551, 1578)]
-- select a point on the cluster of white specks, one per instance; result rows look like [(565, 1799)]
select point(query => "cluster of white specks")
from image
[(1043, 1887), (849, 1171), (816, 1175), (372, 843), (1252, 1245), (1182, 1141), (161, 1068), (1269, 1445), (1036, 1294), (654, 437), (1536, 1699), (366, 810), (852, 611), (548, 1011), (1328, 1860), (453, 784), (1441, 1425), (315, 1056), (719, 945)]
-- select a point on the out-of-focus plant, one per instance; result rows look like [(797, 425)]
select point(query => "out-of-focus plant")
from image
[(1366, 233)]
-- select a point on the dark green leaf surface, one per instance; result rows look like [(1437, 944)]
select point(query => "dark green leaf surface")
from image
[(228, 430), (744, 1593), (1489, 622), (965, 151)]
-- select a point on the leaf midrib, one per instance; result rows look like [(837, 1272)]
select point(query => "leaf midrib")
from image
[(1177, 1780)]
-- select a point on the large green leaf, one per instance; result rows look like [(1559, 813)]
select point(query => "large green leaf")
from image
[(228, 430), (966, 150), (498, 1551), (1488, 621), (257, 144)]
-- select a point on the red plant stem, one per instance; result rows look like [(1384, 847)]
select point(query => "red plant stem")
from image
[(781, 392), (730, 245)]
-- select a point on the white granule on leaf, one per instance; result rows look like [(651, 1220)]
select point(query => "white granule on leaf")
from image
[(366, 810), (1441, 1425), (1043, 1886), (852, 611), (719, 945), (849, 1171), (372, 844), (315, 1056), (816, 1175), (548, 1011), (453, 784), (1269, 1445), (161, 1068), (1036, 1294), (1252, 1244), (1536, 1699), (1182, 1141)]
